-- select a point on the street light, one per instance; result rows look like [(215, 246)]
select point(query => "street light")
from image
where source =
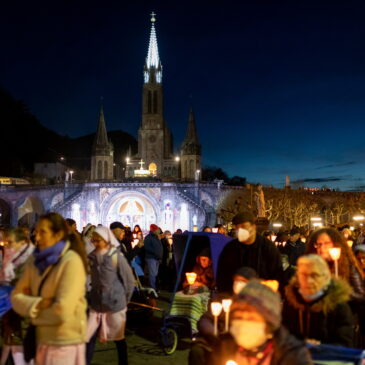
[(277, 225), (197, 174), (316, 219), (127, 160), (177, 158), (358, 218), (71, 172)]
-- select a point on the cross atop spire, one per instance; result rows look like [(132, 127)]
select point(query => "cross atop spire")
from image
[(153, 62), (153, 59)]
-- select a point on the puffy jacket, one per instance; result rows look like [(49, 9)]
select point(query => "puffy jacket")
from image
[(112, 282), (64, 322)]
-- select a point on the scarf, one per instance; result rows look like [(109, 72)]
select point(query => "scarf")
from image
[(49, 256)]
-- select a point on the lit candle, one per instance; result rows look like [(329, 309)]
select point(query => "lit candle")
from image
[(335, 254), (134, 235), (350, 243), (273, 238), (272, 284), (215, 230), (135, 243), (226, 304), (216, 311), (231, 362), (190, 277)]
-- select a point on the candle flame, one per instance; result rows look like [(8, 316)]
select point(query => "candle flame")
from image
[(216, 308), (335, 253), (190, 277), (226, 304)]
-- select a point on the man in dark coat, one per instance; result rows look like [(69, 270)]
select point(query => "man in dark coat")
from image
[(248, 249), (153, 254), (316, 306), (294, 247)]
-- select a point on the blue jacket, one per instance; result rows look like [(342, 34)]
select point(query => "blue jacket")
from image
[(153, 247)]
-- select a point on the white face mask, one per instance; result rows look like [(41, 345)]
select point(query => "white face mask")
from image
[(311, 297), (248, 334), (243, 234), (238, 285)]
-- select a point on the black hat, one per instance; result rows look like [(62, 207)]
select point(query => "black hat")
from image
[(294, 230), (243, 217), (116, 225), (247, 272), (205, 252)]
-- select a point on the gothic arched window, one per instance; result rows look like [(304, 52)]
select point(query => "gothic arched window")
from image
[(155, 102), (100, 170), (149, 102), (105, 170)]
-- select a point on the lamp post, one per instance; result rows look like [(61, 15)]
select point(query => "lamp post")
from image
[(71, 172)]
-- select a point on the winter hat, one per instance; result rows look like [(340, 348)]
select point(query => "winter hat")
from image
[(260, 296), (116, 225), (247, 272), (107, 235), (153, 227), (205, 252), (243, 217)]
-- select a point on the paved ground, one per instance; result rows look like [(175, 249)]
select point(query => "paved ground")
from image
[(143, 342)]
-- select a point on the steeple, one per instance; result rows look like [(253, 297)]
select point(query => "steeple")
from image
[(153, 67), (191, 134), (101, 138), (102, 154), (190, 151), (191, 144)]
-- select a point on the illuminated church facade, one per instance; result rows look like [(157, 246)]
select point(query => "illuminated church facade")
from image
[(175, 199)]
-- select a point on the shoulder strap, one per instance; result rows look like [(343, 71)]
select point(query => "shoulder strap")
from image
[(118, 270)]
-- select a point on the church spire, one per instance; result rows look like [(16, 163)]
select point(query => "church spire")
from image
[(153, 67), (101, 138), (192, 134)]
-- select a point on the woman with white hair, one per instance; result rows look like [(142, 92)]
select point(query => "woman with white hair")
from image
[(112, 284), (316, 306)]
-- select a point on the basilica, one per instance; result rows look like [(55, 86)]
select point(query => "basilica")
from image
[(158, 186), (155, 155)]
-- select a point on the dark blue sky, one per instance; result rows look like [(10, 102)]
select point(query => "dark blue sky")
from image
[(277, 86)]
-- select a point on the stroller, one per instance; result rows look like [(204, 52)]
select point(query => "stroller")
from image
[(186, 248)]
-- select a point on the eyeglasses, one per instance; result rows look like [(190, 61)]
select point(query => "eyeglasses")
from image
[(312, 275)]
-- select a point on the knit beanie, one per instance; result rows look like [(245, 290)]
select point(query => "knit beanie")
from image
[(266, 302), (153, 227)]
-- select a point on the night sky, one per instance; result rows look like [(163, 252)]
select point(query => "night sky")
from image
[(277, 87)]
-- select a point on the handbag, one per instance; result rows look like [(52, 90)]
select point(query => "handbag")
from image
[(30, 340)]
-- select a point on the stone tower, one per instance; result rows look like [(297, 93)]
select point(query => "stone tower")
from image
[(154, 138), (191, 152), (102, 153)]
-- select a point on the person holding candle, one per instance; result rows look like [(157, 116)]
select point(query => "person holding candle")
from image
[(202, 346), (316, 305), (248, 249), (204, 271), (321, 241), (256, 335)]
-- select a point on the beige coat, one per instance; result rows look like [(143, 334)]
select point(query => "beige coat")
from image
[(64, 322)]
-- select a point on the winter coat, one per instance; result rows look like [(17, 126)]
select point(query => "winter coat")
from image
[(64, 322), (293, 250), (203, 276), (287, 350), (358, 285), (112, 282), (327, 319), (153, 247), (261, 256)]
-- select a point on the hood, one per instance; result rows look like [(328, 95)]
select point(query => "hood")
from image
[(337, 292)]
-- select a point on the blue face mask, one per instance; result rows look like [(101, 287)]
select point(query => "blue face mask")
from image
[(312, 297)]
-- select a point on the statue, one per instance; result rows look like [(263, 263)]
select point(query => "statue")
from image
[(260, 202)]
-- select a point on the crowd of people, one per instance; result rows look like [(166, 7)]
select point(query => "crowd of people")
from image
[(71, 289)]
